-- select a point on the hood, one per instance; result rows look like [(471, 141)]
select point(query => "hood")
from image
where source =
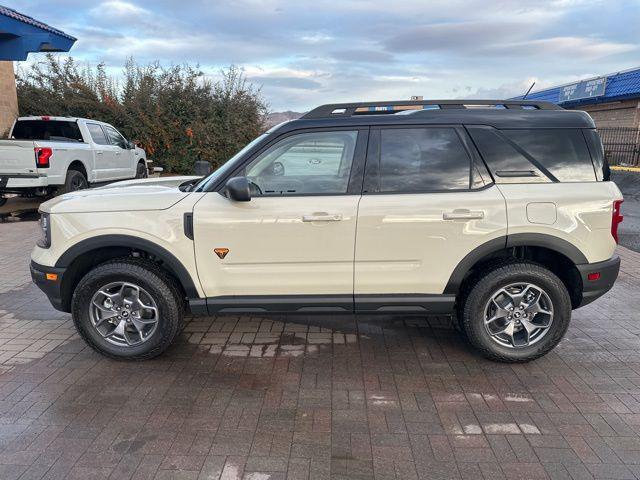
[(129, 195), (167, 181)]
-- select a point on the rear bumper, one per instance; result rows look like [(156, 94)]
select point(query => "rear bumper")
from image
[(12, 182), (593, 289), (51, 288)]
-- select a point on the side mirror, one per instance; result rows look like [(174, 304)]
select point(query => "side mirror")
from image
[(238, 189), (132, 146)]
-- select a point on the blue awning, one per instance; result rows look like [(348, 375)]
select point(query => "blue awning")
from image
[(21, 35), (619, 86)]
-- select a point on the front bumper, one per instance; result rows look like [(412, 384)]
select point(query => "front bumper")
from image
[(52, 287), (593, 289)]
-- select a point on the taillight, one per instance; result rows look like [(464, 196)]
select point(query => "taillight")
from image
[(43, 154), (616, 219)]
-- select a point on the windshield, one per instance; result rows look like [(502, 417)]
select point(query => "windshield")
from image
[(206, 182)]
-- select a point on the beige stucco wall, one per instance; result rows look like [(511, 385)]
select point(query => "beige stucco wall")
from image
[(8, 97)]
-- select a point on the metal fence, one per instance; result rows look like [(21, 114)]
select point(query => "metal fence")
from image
[(621, 145)]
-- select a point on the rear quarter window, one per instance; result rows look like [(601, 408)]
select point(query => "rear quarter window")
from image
[(535, 155), (563, 152)]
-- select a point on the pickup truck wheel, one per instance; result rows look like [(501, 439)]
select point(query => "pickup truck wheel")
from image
[(127, 308), (141, 170), (516, 312), (75, 181)]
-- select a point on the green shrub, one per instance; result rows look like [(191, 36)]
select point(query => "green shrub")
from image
[(176, 114)]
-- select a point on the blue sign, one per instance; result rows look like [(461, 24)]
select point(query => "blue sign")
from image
[(585, 89)]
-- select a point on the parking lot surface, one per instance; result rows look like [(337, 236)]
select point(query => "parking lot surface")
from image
[(314, 397)]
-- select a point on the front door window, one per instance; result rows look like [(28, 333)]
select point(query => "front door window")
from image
[(304, 164)]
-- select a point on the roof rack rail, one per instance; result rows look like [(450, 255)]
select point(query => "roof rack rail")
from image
[(390, 107)]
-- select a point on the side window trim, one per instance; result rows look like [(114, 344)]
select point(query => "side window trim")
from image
[(354, 186), (372, 180)]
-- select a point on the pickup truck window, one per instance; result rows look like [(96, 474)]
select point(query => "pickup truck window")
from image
[(116, 138), (53, 130), (97, 134)]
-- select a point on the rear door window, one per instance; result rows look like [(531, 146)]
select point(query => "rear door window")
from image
[(563, 152), (424, 159)]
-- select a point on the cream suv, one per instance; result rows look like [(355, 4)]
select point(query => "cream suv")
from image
[(498, 212)]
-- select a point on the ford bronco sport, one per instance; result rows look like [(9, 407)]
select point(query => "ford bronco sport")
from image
[(499, 212)]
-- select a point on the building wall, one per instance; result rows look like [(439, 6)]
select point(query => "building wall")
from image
[(615, 114), (8, 97)]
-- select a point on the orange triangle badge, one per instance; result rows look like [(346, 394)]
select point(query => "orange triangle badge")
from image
[(221, 252)]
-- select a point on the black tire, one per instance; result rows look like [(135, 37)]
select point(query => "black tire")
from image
[(141, 170), (477, 295), (148, 276), (75, 181)]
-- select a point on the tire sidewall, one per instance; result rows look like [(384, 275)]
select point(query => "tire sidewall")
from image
[(98, 278), (473, 312), (143, 173), (68, 185)]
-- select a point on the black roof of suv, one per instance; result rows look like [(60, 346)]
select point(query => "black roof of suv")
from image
[(496, 113)]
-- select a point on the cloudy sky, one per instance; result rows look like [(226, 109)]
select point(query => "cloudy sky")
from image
[(304, 53)]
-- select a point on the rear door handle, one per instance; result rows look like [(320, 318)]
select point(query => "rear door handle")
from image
[(322, 217), (463, 214), (98, 152)]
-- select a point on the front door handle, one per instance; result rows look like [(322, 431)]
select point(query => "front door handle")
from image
[(322, 217), (463, 214), (98, 152)]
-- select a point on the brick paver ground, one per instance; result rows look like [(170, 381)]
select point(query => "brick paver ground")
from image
[(314, 398)]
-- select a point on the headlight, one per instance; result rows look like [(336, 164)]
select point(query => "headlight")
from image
[(45, 231)]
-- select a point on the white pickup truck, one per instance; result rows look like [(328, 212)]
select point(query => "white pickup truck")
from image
[(48, 155)]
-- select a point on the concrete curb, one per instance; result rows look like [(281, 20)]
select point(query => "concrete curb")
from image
[(625, 169)]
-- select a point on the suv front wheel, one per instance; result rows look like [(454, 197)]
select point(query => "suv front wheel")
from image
[(516, 312), (127, 308)]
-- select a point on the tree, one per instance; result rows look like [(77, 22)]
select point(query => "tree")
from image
[(175, 113)]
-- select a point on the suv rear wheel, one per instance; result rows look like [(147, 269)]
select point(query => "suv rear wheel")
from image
[(516, 312), (127, 308)]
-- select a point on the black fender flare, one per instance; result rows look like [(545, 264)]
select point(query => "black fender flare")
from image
[(102, 241), (550, 242)]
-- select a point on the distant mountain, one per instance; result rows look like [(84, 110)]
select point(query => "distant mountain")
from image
[(278, 117)]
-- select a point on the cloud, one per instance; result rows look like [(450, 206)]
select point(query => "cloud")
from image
[(118, 8), (573, 47), (304, 54), (362, 55), (287, 82)]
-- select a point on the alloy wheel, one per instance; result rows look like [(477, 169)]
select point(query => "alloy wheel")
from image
[(124, 314), (518, 315)]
